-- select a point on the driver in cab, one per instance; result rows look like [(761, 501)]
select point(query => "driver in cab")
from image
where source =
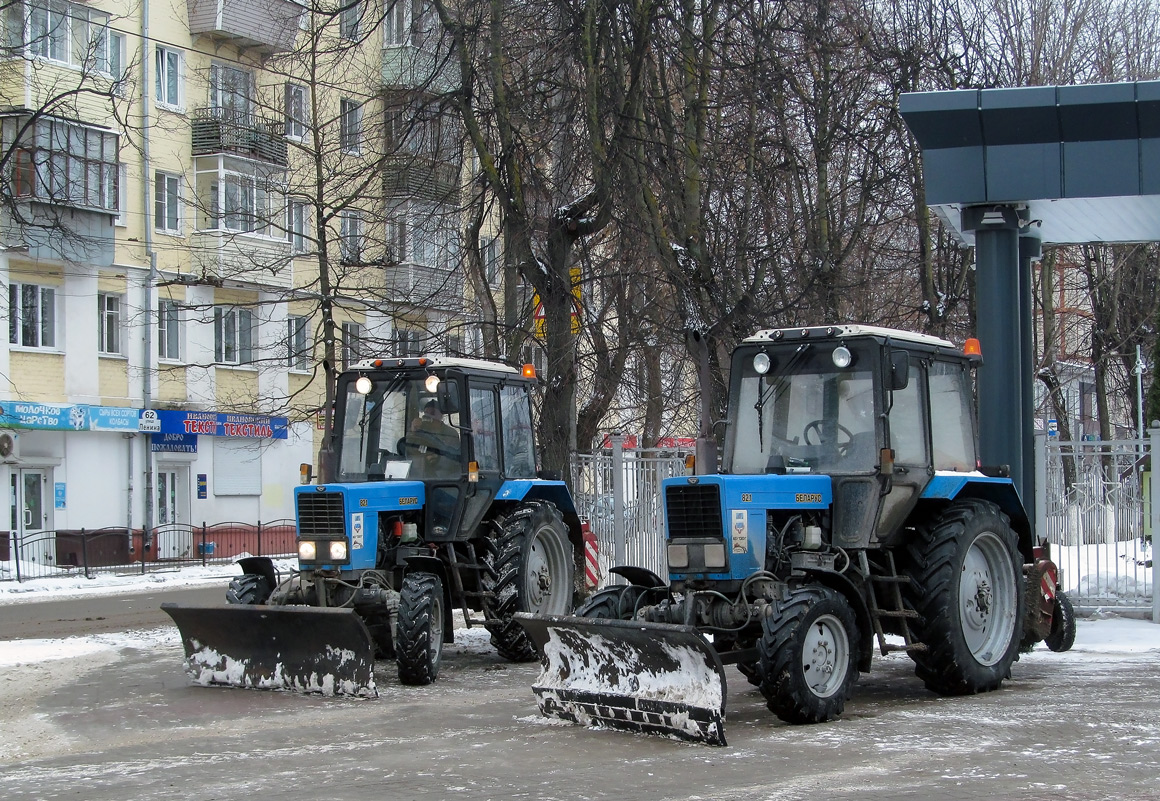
[(435, 444)]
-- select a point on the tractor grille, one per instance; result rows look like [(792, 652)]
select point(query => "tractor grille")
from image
[(320, 514), (694, 510)]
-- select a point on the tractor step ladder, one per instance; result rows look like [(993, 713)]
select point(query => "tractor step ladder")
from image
[(895, 608)]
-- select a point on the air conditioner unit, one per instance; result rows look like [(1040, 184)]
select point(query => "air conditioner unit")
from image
[(9, 446)]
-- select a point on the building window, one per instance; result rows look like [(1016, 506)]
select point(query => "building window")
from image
[(407, 343), (167, 200), (296, 114), (296, 225), (396, 230), (168, 330), (108, 323), (122, 195), (167, 77), (297, 346), (31, 316), (489, 254), (348, 19), (65, 32), (351, 343), (233, 335), (61, 162), (397, 25), (238, 201), (350, 126), (231, 94), (350, 237)]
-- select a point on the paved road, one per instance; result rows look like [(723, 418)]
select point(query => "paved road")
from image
[(99, 614), (1082, 725)]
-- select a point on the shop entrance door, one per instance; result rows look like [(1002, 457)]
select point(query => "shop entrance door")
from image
[(31, 515)]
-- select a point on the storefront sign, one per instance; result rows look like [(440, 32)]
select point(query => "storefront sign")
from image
[(112, 418), (221, 424), (173, 443), (202, 486), (58, 495)]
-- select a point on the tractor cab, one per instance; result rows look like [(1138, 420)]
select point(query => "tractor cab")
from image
[(854, 403), (461, 426)]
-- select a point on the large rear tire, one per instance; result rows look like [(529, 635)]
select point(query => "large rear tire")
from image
[(618, 602), (966, 585), (1062, 635), (419, 632), (808, 656), (529, 568), (250, 588)]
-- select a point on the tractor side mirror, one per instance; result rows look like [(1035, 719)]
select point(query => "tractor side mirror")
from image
[(899, 369), (448, 397)]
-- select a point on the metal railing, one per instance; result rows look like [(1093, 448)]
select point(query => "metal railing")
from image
[(91, 552), (1097, 509)]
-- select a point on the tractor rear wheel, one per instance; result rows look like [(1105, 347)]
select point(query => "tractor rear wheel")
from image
[(1062, 635), (419, 632), (808, 656), (966, 585), (530, 568), (611, 603), (250, 588)]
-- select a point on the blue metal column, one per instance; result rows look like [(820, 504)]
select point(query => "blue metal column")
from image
[(1030, 249), (998, 305)]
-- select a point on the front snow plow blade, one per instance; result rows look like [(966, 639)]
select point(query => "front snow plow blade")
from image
[(301, 648), (654, 678)]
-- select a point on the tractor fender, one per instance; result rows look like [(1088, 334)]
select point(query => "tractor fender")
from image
[(839, 583), (946, 487), (260, 566), (555, 492), (429, 564)]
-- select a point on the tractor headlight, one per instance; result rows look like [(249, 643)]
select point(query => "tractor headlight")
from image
[(715, 555), (307, 551), (338, 551), (842, 357), (678, 556), (761, 363)]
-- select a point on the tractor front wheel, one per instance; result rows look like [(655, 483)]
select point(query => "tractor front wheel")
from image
[(966, 585), (807, 656), (1062, 635), (250, 588), (419, 632), (529, 568)]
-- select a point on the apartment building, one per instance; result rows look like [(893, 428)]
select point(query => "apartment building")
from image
[(190, 188)]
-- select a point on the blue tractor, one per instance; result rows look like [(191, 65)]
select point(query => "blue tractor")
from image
[(850, 513), (436, 507)]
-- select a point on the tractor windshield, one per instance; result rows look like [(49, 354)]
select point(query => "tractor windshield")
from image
[(794, 409), (403, 427)]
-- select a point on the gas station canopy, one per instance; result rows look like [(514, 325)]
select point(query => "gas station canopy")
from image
[(1083, 160)]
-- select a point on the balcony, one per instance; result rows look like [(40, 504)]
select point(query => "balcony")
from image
[(266, 26), (422, 178), (218, 130), (425, 287), (410, 67), (222, 255)]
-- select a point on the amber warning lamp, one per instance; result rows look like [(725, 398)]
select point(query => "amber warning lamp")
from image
[(973, 351), (529, 371)]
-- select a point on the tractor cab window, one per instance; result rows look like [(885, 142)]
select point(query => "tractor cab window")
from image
[(483, 428), (907, 432), (519, 453), (804, 413), (951, 421), (402, 428)]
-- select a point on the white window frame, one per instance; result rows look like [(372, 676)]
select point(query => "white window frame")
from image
[(397, 23), (235, 333), (489, 255), (167, 202), (297, 219), (406, 343), (350, 19), (396, 231), (109, 307), (298, 342), (122, 219), (350, 238), (297, 111), (168, 330), (168, 86), (44, 333), (350, 126), (352, 340)]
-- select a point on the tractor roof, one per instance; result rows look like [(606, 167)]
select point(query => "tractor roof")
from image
[(436, 362), (847, 332)]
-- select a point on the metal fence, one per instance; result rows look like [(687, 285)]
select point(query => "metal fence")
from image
[(619, 492), (89, 553), (1097, 509)]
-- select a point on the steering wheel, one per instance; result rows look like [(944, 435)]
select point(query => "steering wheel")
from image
[(817, 425)]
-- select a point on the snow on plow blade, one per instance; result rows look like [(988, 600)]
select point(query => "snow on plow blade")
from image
[(300, 648), (655, 678)]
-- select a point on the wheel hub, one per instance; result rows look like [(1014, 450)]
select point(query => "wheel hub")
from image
[(824, 655)]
